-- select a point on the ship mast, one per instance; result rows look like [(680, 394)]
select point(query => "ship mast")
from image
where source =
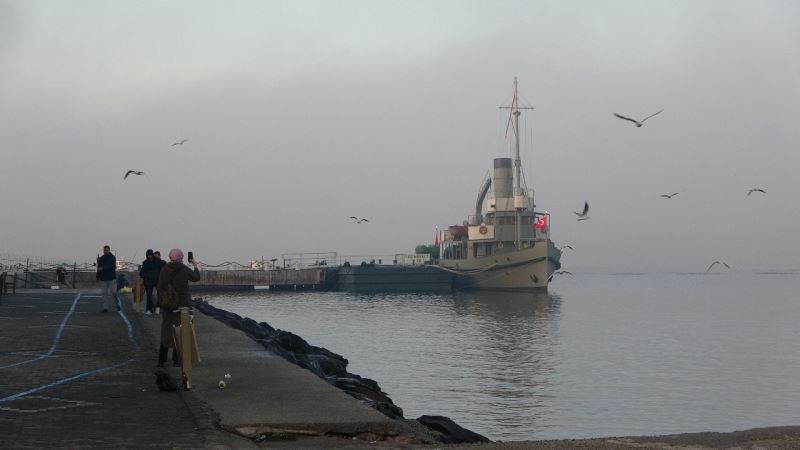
[(515, 113)]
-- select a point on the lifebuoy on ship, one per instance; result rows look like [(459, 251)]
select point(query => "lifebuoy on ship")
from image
[(483, 229)]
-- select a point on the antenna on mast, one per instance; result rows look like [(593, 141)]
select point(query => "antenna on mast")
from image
[(514, 114)]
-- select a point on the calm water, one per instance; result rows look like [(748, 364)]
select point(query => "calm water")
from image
[(600, 355)]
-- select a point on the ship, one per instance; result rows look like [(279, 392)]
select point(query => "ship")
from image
[(505, 245)]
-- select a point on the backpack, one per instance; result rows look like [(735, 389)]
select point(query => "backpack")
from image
[(168, 298)]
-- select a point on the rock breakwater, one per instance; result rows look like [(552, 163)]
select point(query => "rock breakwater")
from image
[(333, 368)]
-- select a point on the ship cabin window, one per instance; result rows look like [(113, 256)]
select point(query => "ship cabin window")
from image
[(507, 220), (455, 251)]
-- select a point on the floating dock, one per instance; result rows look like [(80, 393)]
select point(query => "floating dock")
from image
[(394, 278)]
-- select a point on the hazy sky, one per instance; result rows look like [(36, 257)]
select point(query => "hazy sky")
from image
[(301, 114)]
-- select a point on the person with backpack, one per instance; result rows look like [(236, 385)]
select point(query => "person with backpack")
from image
[(149, 272), (173, 293)]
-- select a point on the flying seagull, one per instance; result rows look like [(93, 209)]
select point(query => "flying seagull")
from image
[(669, 195), (179, 143), (566, 246), (638, 123), (132, 172), (718, 262), (756, 190), (359, 220), (567, 272), (583, 215)]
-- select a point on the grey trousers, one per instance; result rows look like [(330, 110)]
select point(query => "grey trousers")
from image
[(109, 288)]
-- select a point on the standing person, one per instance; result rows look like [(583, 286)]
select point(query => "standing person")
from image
[(151, 268), (161, 264), (177, 275), (107, 275)]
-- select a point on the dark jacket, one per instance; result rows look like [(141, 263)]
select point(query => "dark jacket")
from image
[(107, 267), (179, 275), (151, 268)]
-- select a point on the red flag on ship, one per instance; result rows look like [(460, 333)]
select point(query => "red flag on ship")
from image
[(541, 224)]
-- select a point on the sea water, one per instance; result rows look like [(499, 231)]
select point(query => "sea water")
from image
[(599, 355)]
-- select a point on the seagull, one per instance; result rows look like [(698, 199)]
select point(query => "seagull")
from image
[(359, 220), (566, 246), (583, 215), (179, 143), (567, 272), (756, 190), (132, 172), (717, 262), (669, 195), (638, 123)]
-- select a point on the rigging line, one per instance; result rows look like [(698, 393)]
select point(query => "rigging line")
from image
[(56, 338)]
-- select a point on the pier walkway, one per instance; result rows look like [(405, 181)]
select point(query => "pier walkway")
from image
[(74, 377)]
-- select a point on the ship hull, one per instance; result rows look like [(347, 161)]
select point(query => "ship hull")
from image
[(518, 270)]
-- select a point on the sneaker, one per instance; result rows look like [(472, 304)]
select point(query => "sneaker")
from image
[(158, 311), (148, 312)]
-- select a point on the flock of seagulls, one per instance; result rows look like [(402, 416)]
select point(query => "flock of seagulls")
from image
[(584, 215), (139, 172)]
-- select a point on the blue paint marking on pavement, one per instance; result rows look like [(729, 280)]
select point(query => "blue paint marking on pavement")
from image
[(131, 339), (62, 381), (56, 338)]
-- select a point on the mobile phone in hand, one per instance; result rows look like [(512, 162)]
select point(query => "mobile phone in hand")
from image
[(190, 257)]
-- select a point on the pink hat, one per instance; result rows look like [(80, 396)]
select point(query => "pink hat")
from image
[(175, 254)]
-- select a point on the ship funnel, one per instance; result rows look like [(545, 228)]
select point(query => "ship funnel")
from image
[(479, 204), (503, 178)]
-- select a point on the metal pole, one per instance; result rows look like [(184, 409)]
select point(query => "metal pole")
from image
[(74, 269), (517, 164)]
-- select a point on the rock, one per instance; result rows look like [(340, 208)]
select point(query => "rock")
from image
[(451, 432)]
